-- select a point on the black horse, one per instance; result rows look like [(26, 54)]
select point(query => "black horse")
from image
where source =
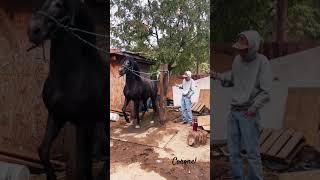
[(76, 87), (137, 89)]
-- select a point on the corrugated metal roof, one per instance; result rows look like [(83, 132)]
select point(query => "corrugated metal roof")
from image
[(136, 55)]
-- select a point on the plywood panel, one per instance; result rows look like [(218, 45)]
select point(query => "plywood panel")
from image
[(204, 97), (303, 113), (203, 120), (117, 84)]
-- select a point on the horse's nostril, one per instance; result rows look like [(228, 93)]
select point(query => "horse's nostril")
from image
[(36, 31)]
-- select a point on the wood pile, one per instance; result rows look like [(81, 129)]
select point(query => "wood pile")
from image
[(282, 145), (197, 107)]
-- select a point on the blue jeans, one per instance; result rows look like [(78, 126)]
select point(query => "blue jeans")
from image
[(186, 109), (246, 130)]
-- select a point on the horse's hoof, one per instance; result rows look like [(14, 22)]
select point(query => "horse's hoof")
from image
[(137, 127), (151, 122)]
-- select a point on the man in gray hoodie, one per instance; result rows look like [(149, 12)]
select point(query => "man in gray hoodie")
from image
[(251, 82)]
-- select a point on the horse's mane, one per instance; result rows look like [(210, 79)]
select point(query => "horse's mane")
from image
[(134, 65)]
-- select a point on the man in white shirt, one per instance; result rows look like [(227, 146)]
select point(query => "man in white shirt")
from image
[(188, 89)]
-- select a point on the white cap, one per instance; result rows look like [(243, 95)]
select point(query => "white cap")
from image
[(187, 74)]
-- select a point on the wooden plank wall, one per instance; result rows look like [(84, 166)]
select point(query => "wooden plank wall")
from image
[(22, 112), (303, 113), (117, 85)]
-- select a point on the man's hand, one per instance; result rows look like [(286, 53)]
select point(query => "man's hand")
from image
[(250, 114)]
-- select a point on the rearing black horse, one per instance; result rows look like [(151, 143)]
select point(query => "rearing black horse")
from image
[(76, 87), (137, 89)]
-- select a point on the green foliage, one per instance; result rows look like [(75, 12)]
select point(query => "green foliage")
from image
[(231, 17), (173, 32), (304, 21)]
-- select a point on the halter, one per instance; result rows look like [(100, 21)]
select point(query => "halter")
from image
[(59, 22)]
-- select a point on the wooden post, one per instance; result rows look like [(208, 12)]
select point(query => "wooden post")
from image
[(164, 77)]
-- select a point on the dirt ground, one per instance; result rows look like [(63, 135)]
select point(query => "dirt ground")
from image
[(125, 153), (147, 153)]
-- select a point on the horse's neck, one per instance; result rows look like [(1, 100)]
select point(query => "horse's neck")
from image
[(132, 79), (69, 51)]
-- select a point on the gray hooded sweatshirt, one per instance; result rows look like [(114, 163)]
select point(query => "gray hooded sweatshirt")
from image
[(251, 80)]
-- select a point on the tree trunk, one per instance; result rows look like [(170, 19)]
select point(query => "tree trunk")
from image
[(282, 19)]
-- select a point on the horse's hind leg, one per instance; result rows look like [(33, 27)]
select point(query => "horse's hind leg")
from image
[(126, 102), (53, 129), (145, 105), (155, 107), (136, 111)]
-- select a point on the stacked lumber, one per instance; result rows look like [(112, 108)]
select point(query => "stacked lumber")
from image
[(282, 144), (197, 107), (28, 159)]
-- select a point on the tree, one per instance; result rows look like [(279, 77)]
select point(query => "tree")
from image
[(231, 17), (172, 32)]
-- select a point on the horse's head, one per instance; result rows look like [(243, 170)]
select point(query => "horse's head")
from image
[(44, 22), (128, 64)]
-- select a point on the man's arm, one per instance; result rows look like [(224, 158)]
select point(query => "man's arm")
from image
[(265, 80), (225, 79), (192, 89)]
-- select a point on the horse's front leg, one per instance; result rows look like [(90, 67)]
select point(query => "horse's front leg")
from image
[(84, 155), (136, 111), (52, 130), (124, 108)]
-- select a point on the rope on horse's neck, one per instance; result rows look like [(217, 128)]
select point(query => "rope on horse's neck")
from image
[(70, 29), (133, 72)]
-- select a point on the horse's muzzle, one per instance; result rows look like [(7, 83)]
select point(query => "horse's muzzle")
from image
[(122, 72)]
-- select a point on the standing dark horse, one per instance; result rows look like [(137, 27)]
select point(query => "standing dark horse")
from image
[(76, 87), (137, 89)]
